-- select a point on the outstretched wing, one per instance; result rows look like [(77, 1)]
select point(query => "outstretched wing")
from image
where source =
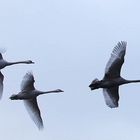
[(27, 82), (2, 50), (34, 112), (1, 84), (1, 56), (111, 96), (113, 67)]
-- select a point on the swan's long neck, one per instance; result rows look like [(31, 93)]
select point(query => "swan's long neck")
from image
[(18, 62), (46, 92), (133, 81)]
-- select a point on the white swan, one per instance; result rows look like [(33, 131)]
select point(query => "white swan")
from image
[(3, 64), (29, 95)]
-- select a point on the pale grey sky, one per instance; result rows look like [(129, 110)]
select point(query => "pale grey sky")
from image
[(71, 42)]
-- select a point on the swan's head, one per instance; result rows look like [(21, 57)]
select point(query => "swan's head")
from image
[(29, 62), (95, 84), (59, 90), (14, 97)]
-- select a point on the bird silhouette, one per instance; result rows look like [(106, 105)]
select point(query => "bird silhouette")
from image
[(112, 78), (29, 95), (3, 64)]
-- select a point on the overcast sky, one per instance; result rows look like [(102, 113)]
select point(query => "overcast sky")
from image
[(70, 42)]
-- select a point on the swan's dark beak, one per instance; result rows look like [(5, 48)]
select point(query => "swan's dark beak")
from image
[(59, 90), (13, 97), (30, 62), (92, 87)]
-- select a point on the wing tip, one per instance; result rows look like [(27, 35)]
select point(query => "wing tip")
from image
[(113, 106), (121, 44), (30, 72), (120, 48), (2, 50), (41, 127)]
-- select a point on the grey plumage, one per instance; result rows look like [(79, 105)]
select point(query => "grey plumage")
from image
[(3, 64), (112, 78), (29, 96)]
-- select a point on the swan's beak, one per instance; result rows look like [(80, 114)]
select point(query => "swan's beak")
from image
[(30, 62), (91, 87), (13, 97), (60, 90)]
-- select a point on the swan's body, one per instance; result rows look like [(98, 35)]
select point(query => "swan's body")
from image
[(29, 95), (112, 79), (3, 64)]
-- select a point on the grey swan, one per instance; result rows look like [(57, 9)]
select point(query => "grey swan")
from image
[(112, 78), (3, 64), (29, 96)]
